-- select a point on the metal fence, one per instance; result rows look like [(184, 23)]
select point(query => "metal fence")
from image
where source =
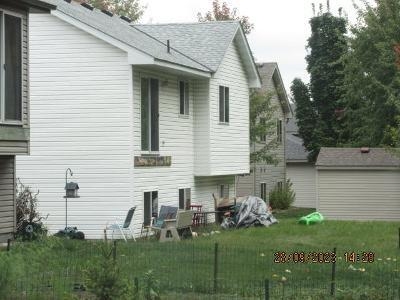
[(190, 270)]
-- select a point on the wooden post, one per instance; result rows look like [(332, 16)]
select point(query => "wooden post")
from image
[(333, 274)]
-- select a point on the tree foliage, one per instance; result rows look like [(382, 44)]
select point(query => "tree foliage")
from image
[(262, 128), (372, 77), (305, 114), (222, 12), (320, 117), (129, 8)]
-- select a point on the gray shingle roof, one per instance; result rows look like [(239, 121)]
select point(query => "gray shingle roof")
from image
[(352, 157), (205, 42), (294, 149), (291, 126), (125, 33)]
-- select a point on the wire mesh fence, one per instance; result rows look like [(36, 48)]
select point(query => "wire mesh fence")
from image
[(190, 270)]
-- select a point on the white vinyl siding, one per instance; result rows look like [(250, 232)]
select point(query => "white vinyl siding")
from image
[(302, 175), (81, 119), (7, 198), (359, 194), (229, 144)]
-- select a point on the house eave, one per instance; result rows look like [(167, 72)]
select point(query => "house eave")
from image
[(387, 168), (254, 79)]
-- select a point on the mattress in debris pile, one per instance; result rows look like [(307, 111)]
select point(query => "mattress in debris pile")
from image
[(252, 212)]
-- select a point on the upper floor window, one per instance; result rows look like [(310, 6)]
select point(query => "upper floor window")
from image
[(184, 98), (279, 132), (263, 136), (11, 70), (223, 104), (149, 114)]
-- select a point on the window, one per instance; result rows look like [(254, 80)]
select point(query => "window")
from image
[(184, 98), (11, 73), (264, 191), (263, 137), (184, 199), (224, 191), (149, 114), (223, 104), (279, 131), (150, 206), (280, 185)]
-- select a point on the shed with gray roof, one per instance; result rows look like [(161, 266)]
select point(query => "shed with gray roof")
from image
[(358, 183)]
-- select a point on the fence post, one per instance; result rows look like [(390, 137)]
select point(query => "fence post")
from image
[(215, 268), (266, 289), (333, 274), (136, 282), (9, 244), (114, 251)]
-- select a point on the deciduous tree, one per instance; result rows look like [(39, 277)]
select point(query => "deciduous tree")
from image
[(129, 8), (222, 12)]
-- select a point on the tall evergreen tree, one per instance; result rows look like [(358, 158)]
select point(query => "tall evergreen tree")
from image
[(305, 115), (327, 44), (372, 77)]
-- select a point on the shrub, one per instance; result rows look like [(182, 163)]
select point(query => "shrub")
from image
[(29, 221), (281, 197), (104, 279)]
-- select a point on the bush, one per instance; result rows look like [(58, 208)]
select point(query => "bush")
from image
[(29, 221), (282, 197)]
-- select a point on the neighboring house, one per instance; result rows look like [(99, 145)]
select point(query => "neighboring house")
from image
[(144, 115), (264, 177), (14, 100), (358, 184), (299, 170)]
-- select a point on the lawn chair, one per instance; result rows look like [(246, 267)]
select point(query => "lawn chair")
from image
[(122, 226)]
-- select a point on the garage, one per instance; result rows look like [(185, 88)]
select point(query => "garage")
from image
[(358, 184)]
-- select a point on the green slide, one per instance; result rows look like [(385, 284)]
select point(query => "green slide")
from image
[(312, 218)]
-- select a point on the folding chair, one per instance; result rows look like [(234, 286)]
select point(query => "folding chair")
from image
[(125, 226)]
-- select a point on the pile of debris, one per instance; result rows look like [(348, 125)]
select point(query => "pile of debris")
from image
[(253, 211)]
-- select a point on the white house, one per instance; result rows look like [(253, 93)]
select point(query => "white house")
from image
[(264, 177), (144, 115)]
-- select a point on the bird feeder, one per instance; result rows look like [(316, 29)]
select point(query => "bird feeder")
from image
[(71, 190)]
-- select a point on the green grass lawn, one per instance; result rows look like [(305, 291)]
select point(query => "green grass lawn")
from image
[(244, 258)]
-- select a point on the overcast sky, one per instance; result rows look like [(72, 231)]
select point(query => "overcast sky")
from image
[(280, 32)]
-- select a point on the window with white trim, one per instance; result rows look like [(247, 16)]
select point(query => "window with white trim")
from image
[(183, 98), (263, 191), (150, 207), (279, 132), (223, 104), (184, 199), (149, 114), (11, 70)]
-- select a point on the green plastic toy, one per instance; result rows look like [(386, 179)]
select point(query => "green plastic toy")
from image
[(312, 218)]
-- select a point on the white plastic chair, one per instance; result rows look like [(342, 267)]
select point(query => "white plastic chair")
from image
[(123, 226)]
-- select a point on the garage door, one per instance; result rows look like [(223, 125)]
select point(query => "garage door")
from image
[(359, 194)]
